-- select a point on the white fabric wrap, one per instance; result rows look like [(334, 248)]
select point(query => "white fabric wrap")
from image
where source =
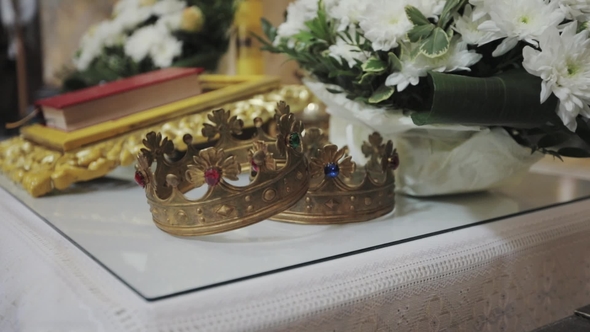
[(434, 160)]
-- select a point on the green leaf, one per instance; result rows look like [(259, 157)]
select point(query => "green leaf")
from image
[(436, 45), (510, 100), (304, 36), (366, 78), (450, 8), (334, 91), (574, 152), (269, 30), (394, 62), (416, 16), (553, 139), (420, 32), (374, 65), (381, 94)]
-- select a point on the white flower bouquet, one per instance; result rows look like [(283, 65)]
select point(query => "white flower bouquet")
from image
[(467, 88), (145, 35)]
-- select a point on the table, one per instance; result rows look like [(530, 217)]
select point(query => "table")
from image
[(475, 262)]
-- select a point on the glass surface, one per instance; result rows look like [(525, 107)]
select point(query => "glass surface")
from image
[(110, 220)]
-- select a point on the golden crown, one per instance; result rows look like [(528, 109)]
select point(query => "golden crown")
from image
[(275, 185), (339, 192)]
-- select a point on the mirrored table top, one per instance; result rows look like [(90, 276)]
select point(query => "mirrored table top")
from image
[(110, 221)]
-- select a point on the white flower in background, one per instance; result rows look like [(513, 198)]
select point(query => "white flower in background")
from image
[(138, 45), (575, 9), (411, 70), (456, 59), (171, 21), (165, 51), (467, 27), (298, 13), (478, 9), (164, 7), (385, 23), (105, 34), (155, 41), (348, 51), (564, 66), (429, 8), (125, 5), (129, 17), (517, 20), (347, 12)]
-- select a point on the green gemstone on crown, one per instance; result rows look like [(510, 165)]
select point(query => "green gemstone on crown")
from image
[(294, 140)]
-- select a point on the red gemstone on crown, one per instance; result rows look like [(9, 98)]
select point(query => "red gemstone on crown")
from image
[(140, 179), (212, 176), (394, 162), (254, 166)]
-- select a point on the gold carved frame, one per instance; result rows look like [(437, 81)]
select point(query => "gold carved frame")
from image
[(42, 166)]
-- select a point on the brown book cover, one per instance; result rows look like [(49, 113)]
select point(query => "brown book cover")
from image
[(83, 108)]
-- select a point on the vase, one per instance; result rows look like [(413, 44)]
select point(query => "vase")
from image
[(434, 160)]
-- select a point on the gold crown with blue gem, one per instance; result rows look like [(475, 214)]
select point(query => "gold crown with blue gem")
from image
[(279, 176), (339, 191)]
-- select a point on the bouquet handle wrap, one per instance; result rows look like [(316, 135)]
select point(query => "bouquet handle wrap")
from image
[(434, 160)]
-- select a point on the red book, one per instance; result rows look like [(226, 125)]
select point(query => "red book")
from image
[(86, 107)]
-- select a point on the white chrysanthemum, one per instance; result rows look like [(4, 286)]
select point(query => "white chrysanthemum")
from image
[(139, 43), (456, 59), (347, 50), (164, 52), (575, 9), (347, 12), (385, 23), (478, 9), (429, 8), (91, 50), (105, 34), (564, 66), (519, 20), (164, 7), (156, 42), (125, 5), (171, 22), (298, 13), (467, 26), (129, 18)]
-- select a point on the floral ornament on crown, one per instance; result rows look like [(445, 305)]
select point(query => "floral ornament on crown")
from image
[(210, 166), (375, 150), (289, 133), (143, 174), (313, 140), (331, 162), (260, 157), (223, 124), (281, 109), (156, 146)]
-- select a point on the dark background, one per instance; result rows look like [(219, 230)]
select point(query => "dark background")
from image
[(8, 74)]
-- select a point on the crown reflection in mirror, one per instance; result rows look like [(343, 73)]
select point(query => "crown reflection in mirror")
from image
[(224, 206), (339, 191)]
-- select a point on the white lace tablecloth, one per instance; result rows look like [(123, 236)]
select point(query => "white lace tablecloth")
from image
[(510, 275)]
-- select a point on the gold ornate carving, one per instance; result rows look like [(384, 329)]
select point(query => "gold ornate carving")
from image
[(224, 206), (39, 170)]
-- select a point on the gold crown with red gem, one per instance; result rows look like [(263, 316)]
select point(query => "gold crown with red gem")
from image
[(339, 191), (278, 180)]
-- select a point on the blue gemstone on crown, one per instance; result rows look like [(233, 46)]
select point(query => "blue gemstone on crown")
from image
[(331, 170)]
